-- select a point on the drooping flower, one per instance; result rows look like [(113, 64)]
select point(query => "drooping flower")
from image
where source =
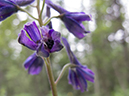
[(79, 74), (34, 64), (43, 43), (8, 7), (72, 20)]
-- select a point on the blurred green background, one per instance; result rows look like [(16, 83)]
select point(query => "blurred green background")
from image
[(105, 50)]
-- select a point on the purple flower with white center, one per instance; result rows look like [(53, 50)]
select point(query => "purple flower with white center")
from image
[(72, 20), (34, 64), (43, 43), (8, 7), (79, 74)]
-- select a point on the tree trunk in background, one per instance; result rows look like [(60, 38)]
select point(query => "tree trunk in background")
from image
[(97, 82)]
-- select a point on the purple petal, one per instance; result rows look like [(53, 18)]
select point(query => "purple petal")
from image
[(81, 81), (45, 31), (7, 11), (74, 27), (24, 40), (57, 46), (87, 75), (42, 52), (33, 31), (70, 76), (55, 35), (72, 57), (51, 31), (36, 66), (6, 3), (73, 79), (83, 67), (23, 2), (79, 16), (29, 61), (7, 8), (55, 7)]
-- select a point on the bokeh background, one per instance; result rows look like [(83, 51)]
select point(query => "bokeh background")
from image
[(105, 50)]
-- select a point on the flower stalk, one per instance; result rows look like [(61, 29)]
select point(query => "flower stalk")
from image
[(27, 13), (47, 60), (63, 71), (50, 76), (40, 15), (48, 20)]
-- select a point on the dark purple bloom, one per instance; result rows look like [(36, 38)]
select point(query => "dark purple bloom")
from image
[(34, 64), (8, 7), (79, 74), (43, 43), (72, 20)]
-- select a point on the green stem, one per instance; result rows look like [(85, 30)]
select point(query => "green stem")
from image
[(66, 66), (40, 15), (50, 76), (47, 21), (38, 7), (38, 10), (27, 13)]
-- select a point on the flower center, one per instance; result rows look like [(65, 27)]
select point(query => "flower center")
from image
[(50, 43)]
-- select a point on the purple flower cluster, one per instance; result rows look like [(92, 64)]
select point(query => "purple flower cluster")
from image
[(45, 40)]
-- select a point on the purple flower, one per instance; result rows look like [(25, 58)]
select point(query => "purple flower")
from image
[(43, 43), (8, 7), (72, 20), (79, 74), (34, 64)]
